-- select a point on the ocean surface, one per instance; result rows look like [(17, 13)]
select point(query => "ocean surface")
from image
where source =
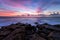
[(8, 21)]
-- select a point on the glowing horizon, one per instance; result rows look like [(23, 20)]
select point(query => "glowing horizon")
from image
[(17, 7)]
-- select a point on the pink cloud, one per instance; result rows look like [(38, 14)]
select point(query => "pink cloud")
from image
[(19, 4), (8, 13)]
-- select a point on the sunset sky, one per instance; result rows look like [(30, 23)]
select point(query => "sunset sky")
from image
[(17, 7)]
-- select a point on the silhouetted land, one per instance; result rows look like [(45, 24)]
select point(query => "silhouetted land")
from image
[(20, 31)]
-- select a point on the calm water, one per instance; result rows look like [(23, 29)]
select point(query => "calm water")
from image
[(8, 21)]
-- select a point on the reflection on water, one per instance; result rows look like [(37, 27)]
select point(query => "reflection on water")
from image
[(8, 21)]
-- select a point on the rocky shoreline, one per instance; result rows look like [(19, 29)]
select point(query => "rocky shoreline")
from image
[(20, 31)]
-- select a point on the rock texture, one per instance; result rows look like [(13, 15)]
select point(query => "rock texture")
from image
[(21, 31)]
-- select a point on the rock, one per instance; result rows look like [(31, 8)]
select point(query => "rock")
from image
[(28, 32)]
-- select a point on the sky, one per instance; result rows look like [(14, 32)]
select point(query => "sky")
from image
[(17, 7)]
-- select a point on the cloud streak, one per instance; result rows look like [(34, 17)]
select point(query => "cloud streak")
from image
[(16, 3), (27, 5), (22, 3)]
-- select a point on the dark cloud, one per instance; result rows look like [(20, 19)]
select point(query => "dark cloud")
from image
[(56, 3)]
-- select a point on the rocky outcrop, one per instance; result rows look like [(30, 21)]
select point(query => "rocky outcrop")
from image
[(21, 31)]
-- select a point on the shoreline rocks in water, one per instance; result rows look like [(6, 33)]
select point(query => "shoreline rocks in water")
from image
[(20, 31)]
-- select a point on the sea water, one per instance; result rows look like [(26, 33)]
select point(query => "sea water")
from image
[(7, 21)]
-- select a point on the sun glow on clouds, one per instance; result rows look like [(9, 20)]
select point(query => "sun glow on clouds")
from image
[(18, 7), (8, 13)]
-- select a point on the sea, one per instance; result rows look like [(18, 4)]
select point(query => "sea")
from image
[(41, 20)]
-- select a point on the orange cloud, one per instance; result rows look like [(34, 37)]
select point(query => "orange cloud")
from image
[(7, 13)]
